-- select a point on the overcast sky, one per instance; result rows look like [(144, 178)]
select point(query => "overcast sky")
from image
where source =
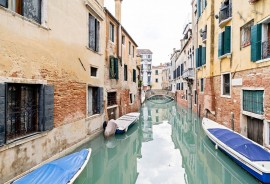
[(155, 24)]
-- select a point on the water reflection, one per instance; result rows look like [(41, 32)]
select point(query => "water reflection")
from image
[(167, 145)]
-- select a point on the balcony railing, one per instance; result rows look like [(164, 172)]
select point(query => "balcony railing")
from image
[(225, 12), (266, 49), (189, 73)]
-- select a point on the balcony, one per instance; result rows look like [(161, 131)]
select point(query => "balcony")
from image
[(225, 14), (266, 49), (189, 74)]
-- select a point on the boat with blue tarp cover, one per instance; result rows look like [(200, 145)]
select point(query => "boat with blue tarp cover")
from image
[(61, 171), (251, 156)]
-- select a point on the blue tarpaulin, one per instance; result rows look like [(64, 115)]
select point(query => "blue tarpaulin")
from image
[(241, 145), (59, 171)]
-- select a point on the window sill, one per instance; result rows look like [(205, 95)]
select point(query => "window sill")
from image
[(263, 60), (204, 41), (94, 51), (228, 55), (225, 96), (25, 18), (22, 140), (224, 22), (258, 116), (92, 117), (113, 106)]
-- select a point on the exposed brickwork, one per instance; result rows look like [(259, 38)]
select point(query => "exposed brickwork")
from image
[(181, 100)]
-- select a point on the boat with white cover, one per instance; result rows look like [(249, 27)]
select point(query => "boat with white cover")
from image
[(126, 121), (251, 156)]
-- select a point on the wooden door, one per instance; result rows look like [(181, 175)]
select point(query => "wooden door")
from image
[(255, 130)]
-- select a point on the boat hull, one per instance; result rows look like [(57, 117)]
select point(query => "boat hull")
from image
[(260, 175)]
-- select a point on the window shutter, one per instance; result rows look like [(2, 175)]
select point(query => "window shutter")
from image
[(100, 100), (111, 69), (134, 75), (3, 3), (41, 109), (199, 8), (97, 35), (2, 113), (220, 44), (32, 10), (116, 68), (197, 57), (92, 34), (227, 40), (203, 55), (256, 45), (48, 107)]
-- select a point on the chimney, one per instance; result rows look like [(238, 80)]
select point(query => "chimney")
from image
[(118, 4)]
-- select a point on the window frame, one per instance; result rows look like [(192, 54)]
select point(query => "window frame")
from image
[(96, 71), (111, 32), (222, 85), (248, 25), (96, 46), (202, 84)]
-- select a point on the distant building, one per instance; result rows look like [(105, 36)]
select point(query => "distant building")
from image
[(157, 76), (146, 67), (166, 76)]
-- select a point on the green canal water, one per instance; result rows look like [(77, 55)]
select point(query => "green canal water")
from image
[(167, 146)]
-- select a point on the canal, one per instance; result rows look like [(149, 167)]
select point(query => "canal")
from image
[(167, 145)]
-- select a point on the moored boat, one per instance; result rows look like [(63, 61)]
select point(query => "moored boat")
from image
[(61, 171), (125, 122), (251, 156)]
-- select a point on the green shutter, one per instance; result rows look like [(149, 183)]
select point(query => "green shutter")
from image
[(200, 55), (227, 40), (112, 68), (220, 44), (2, 113), (256, 42), (197, 57), (203, 55), (199, 8), (116, 68), (134, 75)]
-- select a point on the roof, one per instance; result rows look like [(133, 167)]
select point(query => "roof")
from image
[(144, 51)]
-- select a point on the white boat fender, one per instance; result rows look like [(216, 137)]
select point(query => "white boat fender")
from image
[(110, 128), (216, 146)]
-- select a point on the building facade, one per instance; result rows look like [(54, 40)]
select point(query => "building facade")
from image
[(166, 76), (51, 79), (232, 58), (146, 67), (157, 76), (121, 71)]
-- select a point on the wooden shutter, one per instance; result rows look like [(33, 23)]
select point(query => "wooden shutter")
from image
[(32, 10), (220, 44), (4, 3), (111, 68), (92, 32), (2, 113), (197, 57), (100, 103), (227, 40), (97, 28), (198, 8), (256, 42), (48, 107), (116, 69), (134, 75), (203, 55), (125, 72)]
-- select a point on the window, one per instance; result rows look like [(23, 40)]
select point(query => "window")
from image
[(156, 80), (149, 80), (134, 75), (111, 99), (113, 68), (30, 9), (224, 42), (125, 73), (123, 39), (111, 32), (93, 71), (181, 70), (246, 34), (200, 56), (202, 84), (133, 51), (21, 112), (253, 101), (94, 27), (129, 48), (195, 97), (95, 100), (149, 56), (186, 94), (156, 72), (182, 86), (226, 84), (260, 41), (130, 98)]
